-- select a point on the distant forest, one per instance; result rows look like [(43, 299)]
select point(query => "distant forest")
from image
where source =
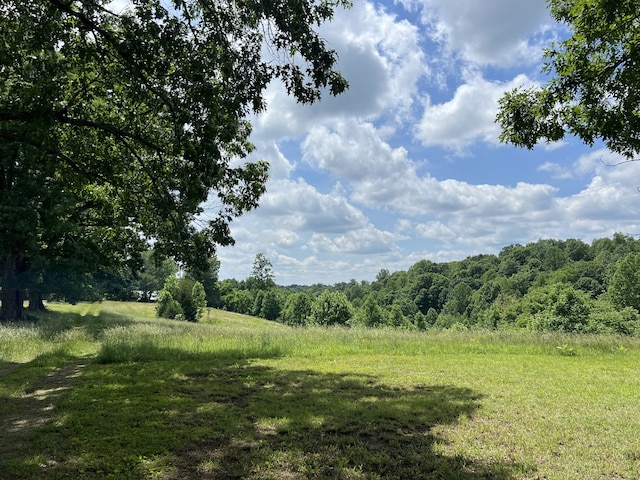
[(548, 285)]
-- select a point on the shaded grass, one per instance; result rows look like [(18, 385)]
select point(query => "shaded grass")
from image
[(116, 393)]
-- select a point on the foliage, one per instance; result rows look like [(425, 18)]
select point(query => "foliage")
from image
[(370, 314), (167, 306), (297, 309), (181, 296), (604, 318), (154, 272), (557, 307), (624, 289), (271, 305), (207, 275), (593, 90), (262, 276), (331, 308), (548, 285), (116, 124)]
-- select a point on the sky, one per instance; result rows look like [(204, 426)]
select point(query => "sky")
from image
[(407, 164)]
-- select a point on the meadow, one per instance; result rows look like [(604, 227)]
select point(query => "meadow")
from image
[(109, 391)]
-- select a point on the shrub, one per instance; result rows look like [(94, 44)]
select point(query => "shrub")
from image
[(297, 309), (331, 308), (604, 318), (557, 307), (184, 297), (167, 306)]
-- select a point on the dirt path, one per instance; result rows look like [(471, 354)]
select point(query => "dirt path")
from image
[(35, 407)]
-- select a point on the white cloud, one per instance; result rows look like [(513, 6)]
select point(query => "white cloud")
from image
[(434, 231), (597, 162), (365, 241), (379, 54), (468, 117), (556, 170), (298, 205), (492, 32), (380, 175), (381, 58), (353, 151)]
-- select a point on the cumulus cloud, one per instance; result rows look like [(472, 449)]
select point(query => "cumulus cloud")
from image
[(298, 205), (468, 117), (365, 241), (434, 231), (353, 151), (493, 32), (597, 162), (379, 55), (380, 175)]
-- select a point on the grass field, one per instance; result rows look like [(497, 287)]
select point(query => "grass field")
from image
[(109, 391)]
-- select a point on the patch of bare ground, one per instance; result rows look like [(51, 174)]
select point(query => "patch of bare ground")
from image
[(35, 407)]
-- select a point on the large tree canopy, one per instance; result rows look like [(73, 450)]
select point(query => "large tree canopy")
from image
[(117, 125), (593, 92)]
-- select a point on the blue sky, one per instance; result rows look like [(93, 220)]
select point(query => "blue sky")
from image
[(407, 165)]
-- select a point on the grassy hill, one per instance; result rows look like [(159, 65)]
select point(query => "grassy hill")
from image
[(109, 391)]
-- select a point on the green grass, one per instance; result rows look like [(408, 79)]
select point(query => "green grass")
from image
[(109, 391)]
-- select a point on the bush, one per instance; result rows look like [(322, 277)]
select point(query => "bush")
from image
[(331, 308), (604, 318), (557, 307), (184, 297), (167, 306)]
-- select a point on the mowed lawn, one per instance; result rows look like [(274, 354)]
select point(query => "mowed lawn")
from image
[(109, 391)]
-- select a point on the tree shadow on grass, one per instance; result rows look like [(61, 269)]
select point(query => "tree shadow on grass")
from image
[(53, 323), (220, 417), (8, 367)]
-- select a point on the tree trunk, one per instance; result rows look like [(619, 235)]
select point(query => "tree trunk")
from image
[(35, 301), (12, 294), (12, 308)]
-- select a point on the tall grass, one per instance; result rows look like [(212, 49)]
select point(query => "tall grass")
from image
[(121, 332), (21, 343)]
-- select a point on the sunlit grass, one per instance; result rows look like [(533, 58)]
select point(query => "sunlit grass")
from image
[(110, 328), (51, 332)]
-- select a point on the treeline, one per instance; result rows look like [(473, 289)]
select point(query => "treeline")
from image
[(549, 285)]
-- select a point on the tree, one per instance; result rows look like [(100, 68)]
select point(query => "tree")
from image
[(297, 309), (271, 305), (624, 288), (56, 236), (168, 306), (593, 93), (458, 300), (133, 117), (371, 314), (208, 277), (331, 308), (182, 296), (262, 276), (429, 291), (154, 273), (556, 307), (239, 301)]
